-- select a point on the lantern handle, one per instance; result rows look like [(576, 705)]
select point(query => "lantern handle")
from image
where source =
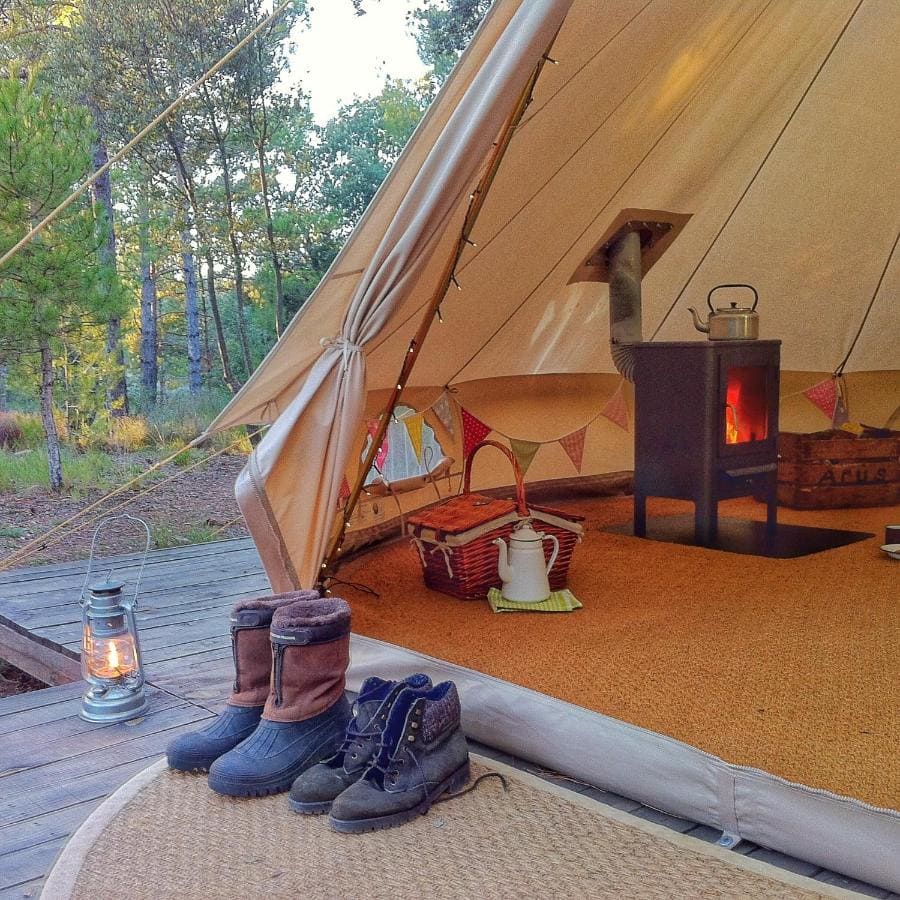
[(100, 526)]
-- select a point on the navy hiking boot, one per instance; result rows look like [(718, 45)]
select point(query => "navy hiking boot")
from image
[(423, 754), (250, 621), (317, 787), (306, 713)]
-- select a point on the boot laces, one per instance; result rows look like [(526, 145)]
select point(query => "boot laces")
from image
[(355, 740), (388, 766)]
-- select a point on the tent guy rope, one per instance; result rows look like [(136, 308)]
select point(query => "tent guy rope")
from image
[(124, 151), (28, 549), (42, 541)]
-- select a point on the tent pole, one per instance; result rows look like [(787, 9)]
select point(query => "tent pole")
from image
[(448, 276)]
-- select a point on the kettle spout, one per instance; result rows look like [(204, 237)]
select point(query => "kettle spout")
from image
[(699, 324), (503, 569)]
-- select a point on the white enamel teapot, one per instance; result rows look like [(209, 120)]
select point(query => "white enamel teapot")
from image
[(521, 566)]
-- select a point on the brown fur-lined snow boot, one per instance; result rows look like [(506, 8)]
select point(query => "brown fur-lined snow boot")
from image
[(250, 621), (306, 712)]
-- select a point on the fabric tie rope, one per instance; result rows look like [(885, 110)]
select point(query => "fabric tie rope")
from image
[(344, 345)]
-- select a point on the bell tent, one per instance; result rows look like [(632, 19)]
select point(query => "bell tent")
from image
[(759, 139)]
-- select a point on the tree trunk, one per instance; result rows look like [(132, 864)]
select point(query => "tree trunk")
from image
[(187, 185), (206, 352), (262, 136), (53, 456), (236, 253), (227, 373), (149, 338), (270, 236), (117, 391), (4, 388), (191, 313)]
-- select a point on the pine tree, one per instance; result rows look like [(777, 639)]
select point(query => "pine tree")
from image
[(56, 284)]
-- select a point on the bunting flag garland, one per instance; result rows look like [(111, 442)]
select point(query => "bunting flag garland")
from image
[(444, 411), (524, 451), (825, 396), (381, 455), (414, 425), (474, 431), (616, 409), (573, 444)]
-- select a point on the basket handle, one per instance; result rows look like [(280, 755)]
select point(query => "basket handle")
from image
[(521, 505)]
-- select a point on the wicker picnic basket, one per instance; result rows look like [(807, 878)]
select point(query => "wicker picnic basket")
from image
[(455, 538)]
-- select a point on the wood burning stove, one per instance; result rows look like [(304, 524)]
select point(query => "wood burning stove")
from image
[(706, 412), (706, 426)]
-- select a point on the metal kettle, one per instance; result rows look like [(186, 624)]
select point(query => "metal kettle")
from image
[(729, 323), (521, 566)]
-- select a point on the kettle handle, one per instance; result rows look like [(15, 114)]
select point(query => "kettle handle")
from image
[(748, 286), (555, 553)]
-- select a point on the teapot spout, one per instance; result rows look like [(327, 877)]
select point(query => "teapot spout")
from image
[(503, 569), (699, 324)]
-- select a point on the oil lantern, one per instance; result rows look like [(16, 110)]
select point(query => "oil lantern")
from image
[(111, 656)]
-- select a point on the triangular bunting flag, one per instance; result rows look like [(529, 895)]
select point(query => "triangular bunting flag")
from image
[(414, 425), (474, 432), (573, 444), (616, 409), (841, 415), (381, 455), (344, 494), (524, 451), (443, 409), (824, 395)]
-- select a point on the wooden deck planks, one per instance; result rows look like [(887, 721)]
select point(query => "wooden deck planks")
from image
[(54, 767)]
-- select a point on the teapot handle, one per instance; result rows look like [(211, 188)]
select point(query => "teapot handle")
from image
[(555, 553), (748, 286)]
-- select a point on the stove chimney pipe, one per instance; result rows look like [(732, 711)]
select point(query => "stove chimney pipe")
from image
[(624, 268), (634, 241)]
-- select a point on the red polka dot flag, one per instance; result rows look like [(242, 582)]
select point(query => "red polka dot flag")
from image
[(474, 432), (824, 395)]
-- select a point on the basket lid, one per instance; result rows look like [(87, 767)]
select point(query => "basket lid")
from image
[(536, 511), (461, 513)]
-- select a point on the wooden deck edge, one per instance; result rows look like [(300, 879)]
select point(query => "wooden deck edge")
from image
[(36, 657)]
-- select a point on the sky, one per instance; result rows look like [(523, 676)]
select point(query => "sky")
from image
[(343, 55)]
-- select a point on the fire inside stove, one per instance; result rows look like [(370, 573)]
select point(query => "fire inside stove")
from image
[(746, 413)]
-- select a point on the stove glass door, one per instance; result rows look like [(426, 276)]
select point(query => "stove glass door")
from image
[(746, 406)]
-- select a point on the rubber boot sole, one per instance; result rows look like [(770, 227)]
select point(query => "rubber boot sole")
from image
[(309, 808), (267, 784), (450, 784), (190, 765), (271, 785)]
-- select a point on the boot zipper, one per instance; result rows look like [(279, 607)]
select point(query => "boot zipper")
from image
[(279, 659), (234, 653)]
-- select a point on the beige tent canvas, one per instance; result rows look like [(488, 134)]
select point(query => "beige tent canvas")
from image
[(768, 123), (767, 129)]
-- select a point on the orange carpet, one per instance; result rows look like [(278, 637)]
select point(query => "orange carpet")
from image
[(791, 666)]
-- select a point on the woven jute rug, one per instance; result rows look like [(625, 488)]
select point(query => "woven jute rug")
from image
[(165, 834), (784, 665)]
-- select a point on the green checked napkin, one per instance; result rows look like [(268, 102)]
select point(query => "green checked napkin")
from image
[(558, 601)]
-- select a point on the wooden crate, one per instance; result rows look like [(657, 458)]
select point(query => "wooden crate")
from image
[(835, 469)]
